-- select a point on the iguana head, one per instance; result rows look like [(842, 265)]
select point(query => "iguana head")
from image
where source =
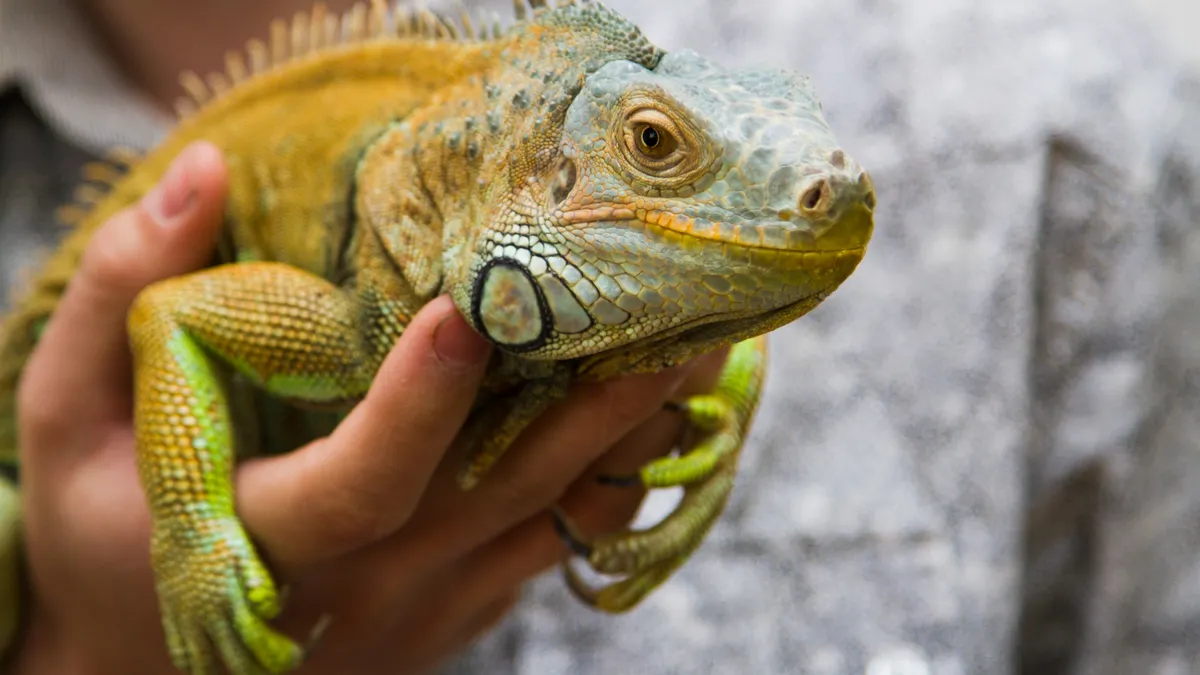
[(684, 201)]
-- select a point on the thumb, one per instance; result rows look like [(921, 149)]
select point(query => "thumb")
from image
[(80, 371), (363, 481)]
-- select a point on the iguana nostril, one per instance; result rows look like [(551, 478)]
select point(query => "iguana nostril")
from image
[(816, 198), (864, 181)]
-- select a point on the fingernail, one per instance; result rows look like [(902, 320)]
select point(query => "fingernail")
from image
[(457, 344), (170, 199)]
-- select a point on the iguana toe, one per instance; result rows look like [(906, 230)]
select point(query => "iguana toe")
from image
[(646, 558), (216, 597), (622, 595)]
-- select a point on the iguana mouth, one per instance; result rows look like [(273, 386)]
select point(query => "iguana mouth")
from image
[(848, 233), (727, 328)]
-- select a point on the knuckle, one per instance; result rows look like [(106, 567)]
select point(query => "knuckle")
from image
[(41, 417), (527, 492), (117, 256), (494, 612), (705, 372), (349, 518), (632, 401), (618, 512)]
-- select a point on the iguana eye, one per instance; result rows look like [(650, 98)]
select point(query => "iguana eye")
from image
[(654, 139), (656, 145), (650, 139)]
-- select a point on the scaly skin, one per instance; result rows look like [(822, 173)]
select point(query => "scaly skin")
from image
[(593, 205)]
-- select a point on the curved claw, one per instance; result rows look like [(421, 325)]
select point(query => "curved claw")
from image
[(647, 558), (676, 406), (579, 588), (630, 480), (317, 634), (638, 480), (570, 534), (620, 596)]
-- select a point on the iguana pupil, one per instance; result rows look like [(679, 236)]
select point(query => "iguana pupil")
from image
[(650, 137)]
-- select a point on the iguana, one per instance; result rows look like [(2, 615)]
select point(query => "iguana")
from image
[(593, 204)]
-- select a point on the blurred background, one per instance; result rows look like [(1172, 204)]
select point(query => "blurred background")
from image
[(1178, 21)]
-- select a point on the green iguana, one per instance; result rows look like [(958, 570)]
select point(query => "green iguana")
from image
[(594, 206)]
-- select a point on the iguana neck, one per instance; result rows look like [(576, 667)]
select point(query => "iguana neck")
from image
[(466, 146)]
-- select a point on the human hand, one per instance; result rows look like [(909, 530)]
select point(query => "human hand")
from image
[(367, 525)]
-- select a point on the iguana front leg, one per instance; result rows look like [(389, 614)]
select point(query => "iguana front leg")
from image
[(494, 432), (297, 336), (647, 558)]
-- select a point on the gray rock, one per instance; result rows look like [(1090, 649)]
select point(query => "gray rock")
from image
[(975, 457)]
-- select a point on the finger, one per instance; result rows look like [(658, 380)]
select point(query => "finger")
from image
[(451, 522), (430, 632), (434, 636), (561, 445), (374, 592), (82, 362), (483, 621), (533, 546), (702, 378), (553, 452), (457, 588), (364, 481)]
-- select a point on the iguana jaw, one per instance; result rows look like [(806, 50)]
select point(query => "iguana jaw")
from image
[(848, 234), (702, 335)]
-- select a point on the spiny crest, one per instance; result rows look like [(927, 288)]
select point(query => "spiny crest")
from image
[(27, 276), (520, 7), (99, 177), (313, 32), (308, 34)]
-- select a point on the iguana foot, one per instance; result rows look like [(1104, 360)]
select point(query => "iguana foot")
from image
[(647, 558), (216, 597), (492, 435)]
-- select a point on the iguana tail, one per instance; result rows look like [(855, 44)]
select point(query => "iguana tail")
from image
[(37, 299)]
